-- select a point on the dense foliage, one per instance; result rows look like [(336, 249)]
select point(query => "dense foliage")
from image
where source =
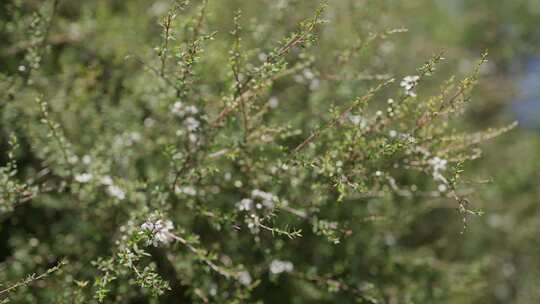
[(259, 151)]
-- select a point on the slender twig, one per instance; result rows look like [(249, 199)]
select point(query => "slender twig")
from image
[(341, 117), (31, 278), (271, 59), (212, 265), (165, 48)]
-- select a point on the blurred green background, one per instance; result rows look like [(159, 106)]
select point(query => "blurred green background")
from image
[(90, 40)]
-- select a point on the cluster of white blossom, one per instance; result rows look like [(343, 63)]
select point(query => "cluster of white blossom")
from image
[(273, 102), (438, 165), (308, 77), (244, 278), (262, 56), (192, 124), (112, 189), (87, 159), (406, 137), (116, 191), (253, 222), (245, 204), (83, 177), (106, 180), (279, 266), (358, 120), (187, 113), (187, 190), (258, 200), (149, 122), (268, 199), (409, 83), (390, 109), (181, 110), (442, 188), (73, 159), (160, 230), (127, 139)]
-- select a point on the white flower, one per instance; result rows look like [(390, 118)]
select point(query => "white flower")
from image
[(268, 199), (245, 205), (135, 136), (253, 222), (244, 278), (186, 190), (86, 159), (278, 266), (213, 290), (192, 124), (308, 74), (106, 180), (73, 159), (83, 177), (160, 230), (438, 165), (149, 122), (178, 108), (262, 194), (442, 188), (273, 102), (181, 110), (116, 191), (192, 138), (315, 84), (407, 137), (266, 138), (118, 141), (409, 83), (192, 110), (393, 133), (357, 120)]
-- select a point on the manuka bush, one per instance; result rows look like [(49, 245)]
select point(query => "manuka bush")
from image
[(265, 155)]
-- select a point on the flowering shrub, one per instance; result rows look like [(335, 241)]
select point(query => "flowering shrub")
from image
[(255, 163)]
